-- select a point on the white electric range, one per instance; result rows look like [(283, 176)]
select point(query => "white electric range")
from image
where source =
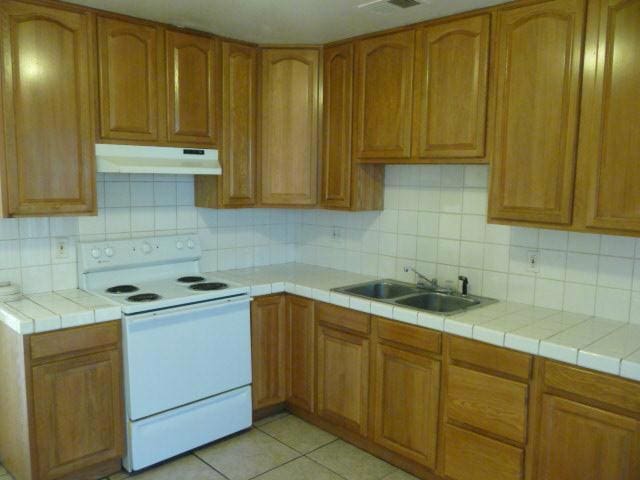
[(186, 343)]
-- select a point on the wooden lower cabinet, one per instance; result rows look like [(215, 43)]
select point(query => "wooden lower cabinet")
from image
[(77, 413), (64, 417), (406, 390), (301, 353), (579, 441), (268, 351), (441, 406), (343, 378)]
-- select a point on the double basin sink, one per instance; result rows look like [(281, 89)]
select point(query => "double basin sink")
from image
[(412, 296)]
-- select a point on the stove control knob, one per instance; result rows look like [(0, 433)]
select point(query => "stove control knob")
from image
[(146, 248), (108, 252), (190, 244), (179, 244), (95, 252)]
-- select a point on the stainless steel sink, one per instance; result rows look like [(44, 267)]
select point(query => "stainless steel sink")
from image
[(411, 296), (383, 289), (438, 302)]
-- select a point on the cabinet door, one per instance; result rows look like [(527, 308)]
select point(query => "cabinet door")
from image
[(238, 124), (268, 351), (78, 416), (128, 57), (301, 360), (47, 110), (343, 379), (539, 49), (338, 92), (451, 90), (384, 82), (405, 397), (192, 88), (579, 442), (289, 131), (610, 122)]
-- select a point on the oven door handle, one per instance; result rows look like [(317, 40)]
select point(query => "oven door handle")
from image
[(237, 300)]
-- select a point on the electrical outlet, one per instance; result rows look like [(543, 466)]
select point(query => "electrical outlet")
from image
[(61, 251), (533, 261)]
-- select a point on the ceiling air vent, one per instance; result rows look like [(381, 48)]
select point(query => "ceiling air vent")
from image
[(389, 6)]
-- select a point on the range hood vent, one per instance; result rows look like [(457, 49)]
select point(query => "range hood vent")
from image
[(386, 7), (162, 160)]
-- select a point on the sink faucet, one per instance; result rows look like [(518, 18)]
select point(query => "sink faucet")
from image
[(429, 282)]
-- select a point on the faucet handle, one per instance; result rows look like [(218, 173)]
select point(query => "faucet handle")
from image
[(465, 284)]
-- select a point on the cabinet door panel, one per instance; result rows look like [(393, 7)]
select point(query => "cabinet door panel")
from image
[(129, 73), (451, 89), (406, 392), (599, 444), (47, 108), (338, 92), (301, 360), (289, 132), (539, 49), (191, 88), (239, 124), (384, 82), (343, 379), (78, 413), (268, 351), (610, 122)]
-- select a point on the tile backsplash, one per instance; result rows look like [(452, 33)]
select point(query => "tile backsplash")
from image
[(434, 220), (141, 205)]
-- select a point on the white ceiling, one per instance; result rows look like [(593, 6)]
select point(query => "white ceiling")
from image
[(283, 21)]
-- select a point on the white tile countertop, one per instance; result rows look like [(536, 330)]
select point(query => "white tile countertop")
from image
[(595, 343), (53, 311), (599, 344)]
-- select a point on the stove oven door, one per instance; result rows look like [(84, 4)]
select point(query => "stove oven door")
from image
[(181, 355)]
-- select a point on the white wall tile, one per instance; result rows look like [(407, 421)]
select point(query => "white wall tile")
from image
[(615, 272), (554, 239), (617, 246), (117, 194), (582, 268), (579, 298), (584, 242), (613, 303)]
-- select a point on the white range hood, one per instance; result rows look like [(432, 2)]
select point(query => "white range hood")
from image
[(166, 160)]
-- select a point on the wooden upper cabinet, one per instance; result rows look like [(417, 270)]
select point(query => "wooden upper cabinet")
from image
[(338, 100), (538, 65), (47, 110), (192, 69), (610, 122), (600, 444), (238, 149), (450, 104), (384, 96), (289, 126), (129, 58)]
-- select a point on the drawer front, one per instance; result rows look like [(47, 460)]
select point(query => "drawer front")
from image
[(343, 318), (492, 404), (600, 387), (469, 456), (408, 335), (68, 341), (498, 359)]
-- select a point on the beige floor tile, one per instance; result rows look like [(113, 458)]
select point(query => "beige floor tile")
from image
[(400, 475), (184, 468), (270, 419), (300, 469), (351, 462), (298, 434), (247, 455)]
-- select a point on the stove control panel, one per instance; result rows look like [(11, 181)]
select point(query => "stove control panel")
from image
[(110, 254)]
